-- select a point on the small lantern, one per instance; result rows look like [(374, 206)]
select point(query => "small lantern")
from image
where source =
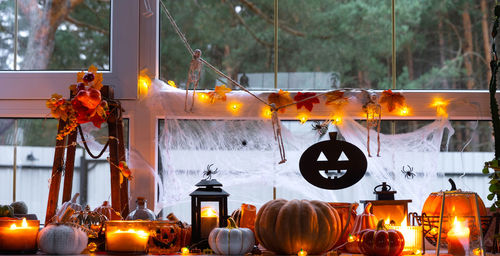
[(454, 221), (208, 208), (385, 207)]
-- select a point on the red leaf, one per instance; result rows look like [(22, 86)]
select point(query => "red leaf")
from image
[(308, 104), (392, 100)]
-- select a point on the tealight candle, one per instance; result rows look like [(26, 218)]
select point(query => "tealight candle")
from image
[(18, 236), (458, 239), (412, 235)]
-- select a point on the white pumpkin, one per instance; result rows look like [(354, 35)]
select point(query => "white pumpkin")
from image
[(231, 240), (72, 203), (62, 239)]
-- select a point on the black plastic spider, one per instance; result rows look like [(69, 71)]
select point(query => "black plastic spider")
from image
[(408, 174), (320, 127), (208, 172)]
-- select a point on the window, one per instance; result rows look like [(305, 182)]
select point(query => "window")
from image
[(83, 35), (328, 44), (27, 150)]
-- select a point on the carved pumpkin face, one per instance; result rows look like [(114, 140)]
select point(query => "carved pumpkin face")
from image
[(333, 173)]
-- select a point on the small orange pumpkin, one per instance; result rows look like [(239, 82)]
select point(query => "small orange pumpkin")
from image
[(366, 220), (106, 210), (456, 204), (286, 227)]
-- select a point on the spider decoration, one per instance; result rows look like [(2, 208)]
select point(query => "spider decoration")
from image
[(209, 172), (321, 127), (409, 174)]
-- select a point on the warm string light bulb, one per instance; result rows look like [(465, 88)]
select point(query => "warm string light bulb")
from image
[(440, 106), (234, 107), (266, 112), (337, 120), (302, 253), (303, 118), (404, 111), (203, 97), (171, 83), (143, 82), (185, 250)]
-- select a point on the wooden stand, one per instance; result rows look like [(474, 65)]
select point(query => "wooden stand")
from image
[(119, 193)]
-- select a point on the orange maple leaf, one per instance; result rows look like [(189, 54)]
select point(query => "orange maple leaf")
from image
[(392, 100), (336, 98), (280, 98), (219, 93)]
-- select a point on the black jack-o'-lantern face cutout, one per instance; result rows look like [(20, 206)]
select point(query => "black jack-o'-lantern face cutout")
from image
[(333, 173)]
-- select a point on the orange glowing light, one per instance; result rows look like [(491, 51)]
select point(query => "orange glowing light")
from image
[(351, 238), (387, 220), (440, 106), (143, 83), (24, 224), (208, 212), (203, 97), (337, 120), (303, 118), (302, 253), (171, 83), (404, 111), (234, 107), (477, 251), (266, 113), (185, 250)]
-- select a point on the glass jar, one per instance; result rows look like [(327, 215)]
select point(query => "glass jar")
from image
[(141, 212)]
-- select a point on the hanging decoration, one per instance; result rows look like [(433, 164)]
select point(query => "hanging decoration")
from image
[(277, 132), (338, 174), (86, 106), (194, 75), (336, 99), (392, 100), (373, 112), (280, 99), (219, 94), (306, 100)]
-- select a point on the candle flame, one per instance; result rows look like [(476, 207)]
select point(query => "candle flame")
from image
[(403, 223), (24, 223), (387, 220), (13, 226), (140, 233), (459, 228), (208, 212)]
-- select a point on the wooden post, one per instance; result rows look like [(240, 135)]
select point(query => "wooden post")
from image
[(55, 180), (124, 200), (119, 195), (69, 167)]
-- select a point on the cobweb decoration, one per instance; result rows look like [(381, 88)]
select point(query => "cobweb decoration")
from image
[(246, 154)]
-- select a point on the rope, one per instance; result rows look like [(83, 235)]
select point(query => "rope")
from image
[(87, 147), (176, 28)]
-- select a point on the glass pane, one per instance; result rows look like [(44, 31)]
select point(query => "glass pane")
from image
[(325, 44), (215, 27), (245, 155), (30, 148), (53, 36), (7, 34)]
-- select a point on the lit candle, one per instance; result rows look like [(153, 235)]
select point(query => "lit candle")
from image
[(458, 239), (412, 235), (127, 240), (20, 238), (209, 221)]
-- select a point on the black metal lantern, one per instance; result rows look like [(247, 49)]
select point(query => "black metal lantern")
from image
[(385, 207), (208, 208)]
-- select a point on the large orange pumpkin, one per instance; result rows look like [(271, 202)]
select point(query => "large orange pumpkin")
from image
[(286, 227), (456, 203), (347, 213), (364, 221)]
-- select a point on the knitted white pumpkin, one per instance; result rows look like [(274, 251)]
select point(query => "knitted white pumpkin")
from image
[(62, 237)]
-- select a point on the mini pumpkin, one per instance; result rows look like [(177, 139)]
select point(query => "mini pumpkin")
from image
[(286, 227), (106, 210), (69, 204), (62, 237), (19, 207), (366, 220), (381, 241), (231, 240), (6, 211)]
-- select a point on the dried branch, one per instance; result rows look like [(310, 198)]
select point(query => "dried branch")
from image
[(252, 33), (259, 12), (89, 26)]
